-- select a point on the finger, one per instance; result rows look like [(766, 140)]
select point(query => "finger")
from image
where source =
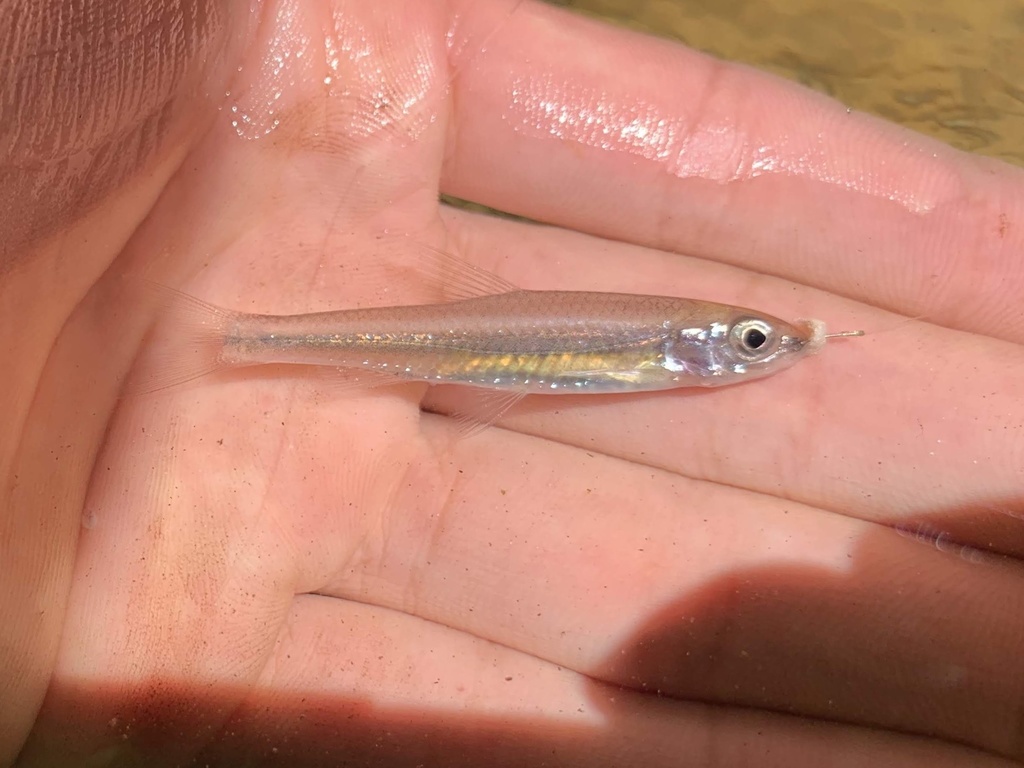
[(368, 686), (635, 139), (697, 591), (544, 709), (876, 428)]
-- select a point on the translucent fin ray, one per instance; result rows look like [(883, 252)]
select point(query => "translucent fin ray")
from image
[(185, 342), (481, 409)]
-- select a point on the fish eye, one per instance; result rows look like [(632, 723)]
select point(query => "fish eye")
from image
[(753, 338)]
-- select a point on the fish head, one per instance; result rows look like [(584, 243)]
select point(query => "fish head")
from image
[(738, 345)]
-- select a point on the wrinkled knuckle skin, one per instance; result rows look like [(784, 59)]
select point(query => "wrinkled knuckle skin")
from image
[(90, 93)]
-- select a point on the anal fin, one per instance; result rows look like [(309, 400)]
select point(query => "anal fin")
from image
[(473, 409)]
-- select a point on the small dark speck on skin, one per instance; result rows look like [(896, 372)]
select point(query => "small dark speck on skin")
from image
[(221, 441), (508, 679), (503, 491)]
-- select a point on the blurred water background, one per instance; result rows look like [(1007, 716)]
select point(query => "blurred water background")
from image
[(953, 69)]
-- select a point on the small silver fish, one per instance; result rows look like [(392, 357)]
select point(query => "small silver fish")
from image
[(514, 341)]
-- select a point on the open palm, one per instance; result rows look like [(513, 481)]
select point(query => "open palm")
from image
[(819, 568)]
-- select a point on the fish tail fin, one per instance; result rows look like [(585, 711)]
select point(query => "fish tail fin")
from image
[(185, 342)]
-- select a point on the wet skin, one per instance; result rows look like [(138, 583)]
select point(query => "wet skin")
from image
[(818, 568)]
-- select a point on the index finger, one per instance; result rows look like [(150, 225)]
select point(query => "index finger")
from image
[(637, 139)]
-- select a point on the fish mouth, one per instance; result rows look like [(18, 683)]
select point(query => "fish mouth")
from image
[(789, 344), (814, 338), (792, 343)]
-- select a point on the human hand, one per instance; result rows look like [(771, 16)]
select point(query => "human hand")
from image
[(818, 568)]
